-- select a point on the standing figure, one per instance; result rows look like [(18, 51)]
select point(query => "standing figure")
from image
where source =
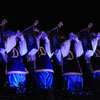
[(56, 37), (71, 50), (15, 47), (31, 34), (42, 65), (92, 58)]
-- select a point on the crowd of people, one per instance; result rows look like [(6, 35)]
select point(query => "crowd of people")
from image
[(62, 63)]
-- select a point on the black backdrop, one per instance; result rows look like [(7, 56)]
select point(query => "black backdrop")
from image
[(74, 14)]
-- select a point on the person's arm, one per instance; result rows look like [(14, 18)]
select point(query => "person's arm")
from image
[(65, 47), (78, 47), (63, 51), (10, 43), (22, 43), (94, 42), (2, 51), (47, 44), (58, 56), (57, 52), (32, 53)]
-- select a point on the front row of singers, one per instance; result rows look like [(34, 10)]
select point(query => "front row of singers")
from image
[(77, 73)]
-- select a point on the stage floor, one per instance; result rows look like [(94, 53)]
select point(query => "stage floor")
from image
[(32, 94)]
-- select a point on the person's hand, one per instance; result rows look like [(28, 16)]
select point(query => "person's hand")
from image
[(37, 30), (44, 35), (98, 35), (60, 24), (4, 21), (71, 36), (90, 25), (36, 22), (19, 33)]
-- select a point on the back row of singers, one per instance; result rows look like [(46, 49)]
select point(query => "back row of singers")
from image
[(70, 56)]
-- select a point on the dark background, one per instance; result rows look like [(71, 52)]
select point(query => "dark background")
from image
[(75, 15)]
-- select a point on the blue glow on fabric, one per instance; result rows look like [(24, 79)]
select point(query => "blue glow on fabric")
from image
[(74, 82), (44, 80), (15, 64), (15, 79), (18, 80), (10, 32), (96, 75), (30, 39)]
